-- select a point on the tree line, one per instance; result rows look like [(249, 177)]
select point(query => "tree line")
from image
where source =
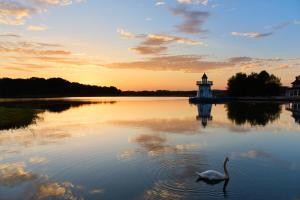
[(255, 84), (53, 87)]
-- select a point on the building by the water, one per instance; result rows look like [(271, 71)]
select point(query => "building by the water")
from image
[(204, 87), (294, 91)]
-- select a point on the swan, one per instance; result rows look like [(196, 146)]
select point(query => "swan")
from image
[(212, 175)]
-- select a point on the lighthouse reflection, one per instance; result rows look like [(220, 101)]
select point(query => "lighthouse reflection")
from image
[(204, 113), (240, 113)]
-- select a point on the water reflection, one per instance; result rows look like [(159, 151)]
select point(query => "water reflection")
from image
[(295, 109), (204, 113), (253, 113), (34, 185), (94, 151), (215, 182), (21, 114)]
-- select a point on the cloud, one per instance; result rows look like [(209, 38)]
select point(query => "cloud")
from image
[(56, 2), (15, 35), (34, 51), (240, 59), (159, 39), (153, 43), (200, 64), (148, 49), (160, 3), (14, 13), (32, 48), (193, 20), (274, 29), (203, 2), (186, 63), (125, 34), (37, 28), (251, 34)]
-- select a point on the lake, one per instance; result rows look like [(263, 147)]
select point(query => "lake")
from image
[(147, 148)]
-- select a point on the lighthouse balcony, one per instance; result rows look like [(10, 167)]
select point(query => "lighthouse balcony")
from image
[(204, 83)]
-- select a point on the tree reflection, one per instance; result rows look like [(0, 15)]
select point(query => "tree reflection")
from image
[(15, 115), (256, 114)]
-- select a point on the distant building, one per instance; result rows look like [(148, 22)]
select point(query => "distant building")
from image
[(204, 86), (294, 91), (204, 113)]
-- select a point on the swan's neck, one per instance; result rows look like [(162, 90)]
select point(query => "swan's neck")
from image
[(225, 169)]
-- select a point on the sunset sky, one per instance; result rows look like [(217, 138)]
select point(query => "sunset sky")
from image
[(149, 44)]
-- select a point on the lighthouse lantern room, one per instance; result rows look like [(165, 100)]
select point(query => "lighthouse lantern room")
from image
[(204, 86)]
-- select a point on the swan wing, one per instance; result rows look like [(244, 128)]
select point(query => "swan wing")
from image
[(211, 175)]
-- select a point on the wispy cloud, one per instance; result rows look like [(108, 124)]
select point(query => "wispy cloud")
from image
[(251, 34), (126, 34), (273, 30), (37, 28), (56, 2), (160, 3), (193, 20), (155, 43), (198, 64), (159, 39), (15, 35), (240, 59), (14, 13), (186, 63), (148, 49), (203, 2)]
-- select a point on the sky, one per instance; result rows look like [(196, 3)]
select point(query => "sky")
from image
[(149, 44)]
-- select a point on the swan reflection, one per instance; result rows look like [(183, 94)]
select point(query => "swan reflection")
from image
[(215, 182)]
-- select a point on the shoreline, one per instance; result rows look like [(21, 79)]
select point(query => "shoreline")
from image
[(279, 99)]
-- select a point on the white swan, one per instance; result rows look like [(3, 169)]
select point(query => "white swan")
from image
[(212, 175)]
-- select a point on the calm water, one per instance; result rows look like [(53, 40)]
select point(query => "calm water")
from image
[(147, 148)]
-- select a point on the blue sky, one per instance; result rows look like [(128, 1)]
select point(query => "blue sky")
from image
[(149, 44)]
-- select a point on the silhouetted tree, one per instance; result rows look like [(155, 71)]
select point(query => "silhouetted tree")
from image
[(262, 84), (40, 87)]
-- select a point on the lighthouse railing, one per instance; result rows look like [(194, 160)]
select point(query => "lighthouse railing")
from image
[(204, 82)]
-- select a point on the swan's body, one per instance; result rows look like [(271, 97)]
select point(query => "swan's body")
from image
[(212, 175)]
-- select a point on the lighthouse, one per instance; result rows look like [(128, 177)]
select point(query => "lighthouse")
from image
[(204, 86)]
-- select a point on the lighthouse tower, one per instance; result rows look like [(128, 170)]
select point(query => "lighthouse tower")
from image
[(204, 85)]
